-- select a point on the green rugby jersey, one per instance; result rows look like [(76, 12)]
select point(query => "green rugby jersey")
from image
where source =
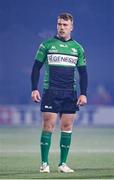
[(61, 59)]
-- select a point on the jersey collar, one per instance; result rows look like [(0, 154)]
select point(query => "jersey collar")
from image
[(61, 39)]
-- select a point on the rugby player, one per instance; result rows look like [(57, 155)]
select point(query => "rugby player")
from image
[(62, 56)]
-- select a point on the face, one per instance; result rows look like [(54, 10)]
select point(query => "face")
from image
[(64, 28)]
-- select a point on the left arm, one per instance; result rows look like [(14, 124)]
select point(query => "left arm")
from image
[(83, 85), (81, 66)]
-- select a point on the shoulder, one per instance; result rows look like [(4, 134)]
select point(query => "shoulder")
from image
[(78, 45), (48, 41)]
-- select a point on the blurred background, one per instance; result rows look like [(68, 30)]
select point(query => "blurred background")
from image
[(24, 24)]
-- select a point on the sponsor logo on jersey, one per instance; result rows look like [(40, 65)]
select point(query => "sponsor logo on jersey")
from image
[(63, 45), (60, 59), (53, 49)]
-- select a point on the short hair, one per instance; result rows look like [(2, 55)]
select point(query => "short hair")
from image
[(66, 16)]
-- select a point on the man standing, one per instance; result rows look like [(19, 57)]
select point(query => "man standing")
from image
[(61, 56)]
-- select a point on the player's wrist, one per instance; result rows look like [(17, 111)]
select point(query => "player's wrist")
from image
[(83, 95), (34, 91)]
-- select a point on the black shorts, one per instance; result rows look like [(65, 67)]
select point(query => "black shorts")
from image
[(59, 101)]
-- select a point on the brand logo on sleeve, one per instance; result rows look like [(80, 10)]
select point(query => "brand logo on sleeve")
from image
[(63, 45), (74, 51)]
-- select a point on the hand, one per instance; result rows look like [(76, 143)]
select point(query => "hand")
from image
[(82, 100), (35, 95)]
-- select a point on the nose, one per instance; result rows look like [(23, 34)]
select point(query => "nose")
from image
[(61, 27)]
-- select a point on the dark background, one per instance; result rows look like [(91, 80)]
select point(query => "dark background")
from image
[(24, 24)]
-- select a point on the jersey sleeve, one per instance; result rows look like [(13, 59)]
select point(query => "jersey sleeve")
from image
[(41, 53), (81, 57)]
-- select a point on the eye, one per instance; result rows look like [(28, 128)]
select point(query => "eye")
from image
[(65, 25), (59, 24)]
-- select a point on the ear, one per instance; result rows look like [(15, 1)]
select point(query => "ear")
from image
[(72, 27)]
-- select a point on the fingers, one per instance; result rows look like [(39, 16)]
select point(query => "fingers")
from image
[(36, 96), (82, 100), (78, 102), (81, 103)]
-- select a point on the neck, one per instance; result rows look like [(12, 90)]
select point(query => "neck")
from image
[(65, 38)]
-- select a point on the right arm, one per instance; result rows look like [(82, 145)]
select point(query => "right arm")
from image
[(34, 80), (39, 61)]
